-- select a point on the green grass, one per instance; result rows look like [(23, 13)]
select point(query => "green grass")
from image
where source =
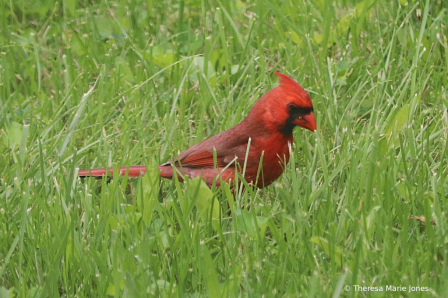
[(363, 200)]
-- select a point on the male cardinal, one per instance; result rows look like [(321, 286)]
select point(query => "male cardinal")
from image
[(267, 130)]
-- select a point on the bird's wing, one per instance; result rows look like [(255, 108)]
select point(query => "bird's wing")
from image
[(228, 145)]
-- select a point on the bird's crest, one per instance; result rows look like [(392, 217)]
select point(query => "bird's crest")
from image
[(292, 89)]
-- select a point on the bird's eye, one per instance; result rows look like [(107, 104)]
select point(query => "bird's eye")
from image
[(297, 111)]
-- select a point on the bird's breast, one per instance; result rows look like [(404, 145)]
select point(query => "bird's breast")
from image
[(275, 156)]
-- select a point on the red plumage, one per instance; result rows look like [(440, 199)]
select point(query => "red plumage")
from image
[(268, 125)]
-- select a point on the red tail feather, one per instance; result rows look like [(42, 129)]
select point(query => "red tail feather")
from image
[(134, 171)]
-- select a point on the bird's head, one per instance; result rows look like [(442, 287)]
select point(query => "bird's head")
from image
[(286, 106)]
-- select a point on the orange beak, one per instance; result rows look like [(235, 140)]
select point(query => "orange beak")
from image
[(307, 121)]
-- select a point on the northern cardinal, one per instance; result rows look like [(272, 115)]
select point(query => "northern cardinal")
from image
[(268, 126)]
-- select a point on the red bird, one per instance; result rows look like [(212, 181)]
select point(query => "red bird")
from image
[(268, 126)]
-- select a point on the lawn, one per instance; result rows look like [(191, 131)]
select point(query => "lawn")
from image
[(360, 210)]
